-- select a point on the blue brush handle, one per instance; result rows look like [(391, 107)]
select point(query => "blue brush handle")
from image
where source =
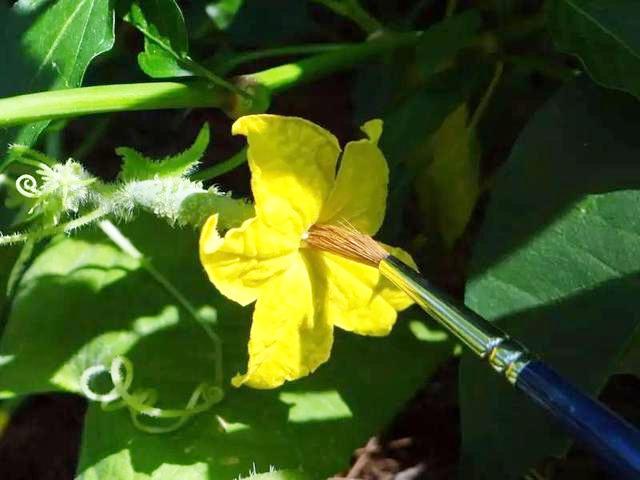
[(606, 434)]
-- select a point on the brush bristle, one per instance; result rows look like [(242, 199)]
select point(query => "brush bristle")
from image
[(347, 242)]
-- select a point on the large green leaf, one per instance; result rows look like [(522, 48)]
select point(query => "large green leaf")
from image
[(82, 302), (50, 51), (557, 266), (605, 34)]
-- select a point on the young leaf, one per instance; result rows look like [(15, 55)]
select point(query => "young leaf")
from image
[(605, 35), (166, 40), (135, 166), (82, 302), (50, 51), (556, 265), (442, 41), (448, 187), (223, 12)]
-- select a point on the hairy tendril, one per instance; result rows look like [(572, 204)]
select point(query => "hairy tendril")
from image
[(142, 401)]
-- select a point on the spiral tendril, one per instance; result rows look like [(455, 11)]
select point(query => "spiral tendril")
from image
[(27, 186), (142, 401)]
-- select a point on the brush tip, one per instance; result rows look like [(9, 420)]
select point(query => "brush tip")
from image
[(347, 242)]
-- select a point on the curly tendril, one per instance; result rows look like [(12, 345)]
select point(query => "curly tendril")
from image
[(142, 401), (27, 186)]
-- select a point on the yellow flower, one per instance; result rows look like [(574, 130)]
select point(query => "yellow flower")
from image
[(302, 293)]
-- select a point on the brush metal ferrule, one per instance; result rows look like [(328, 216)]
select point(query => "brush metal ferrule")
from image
[(505, 355)]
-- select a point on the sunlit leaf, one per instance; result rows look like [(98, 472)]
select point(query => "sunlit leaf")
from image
[(166, 40), (50, 53), (556, 265), (82, 302), (136, 166)]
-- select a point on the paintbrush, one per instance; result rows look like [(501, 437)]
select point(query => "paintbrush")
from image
[(608, 436)]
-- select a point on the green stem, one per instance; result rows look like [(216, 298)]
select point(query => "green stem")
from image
[(75, 102), (353, 10), (191, 64), (119, 239), (68, 227), (286, 76), (486, 98), (245, 57), (221, 168), (28, 156)]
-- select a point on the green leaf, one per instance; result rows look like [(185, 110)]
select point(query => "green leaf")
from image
[(223, 12), (166, 40), (51, 52), (406, 127), (441, 42), (135, 166), (449, 186), (605, 35), (82, 302), (556, 265)]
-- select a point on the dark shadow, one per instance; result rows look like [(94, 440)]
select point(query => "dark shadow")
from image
[(41, 440), (498, 421)]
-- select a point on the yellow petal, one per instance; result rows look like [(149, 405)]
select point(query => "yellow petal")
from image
[(246, 258), (293, 163), (373, 129), (289, 337), (355, 296), (360, 193)]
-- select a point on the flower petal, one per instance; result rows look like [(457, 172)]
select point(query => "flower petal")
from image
[(289, 337), (360, 193), (293, 164), (355, 296), (246, 258)]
